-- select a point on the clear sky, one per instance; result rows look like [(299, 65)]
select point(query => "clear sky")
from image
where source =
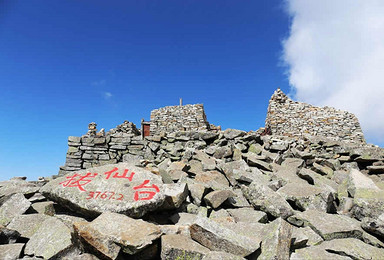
[(64, 64)]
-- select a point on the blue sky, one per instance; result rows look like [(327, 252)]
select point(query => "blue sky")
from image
[(64, 64)]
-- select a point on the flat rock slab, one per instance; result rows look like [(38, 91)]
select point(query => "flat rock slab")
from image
[(316, 253), (11, 251), (248, 215), (17, 186), (27, 225), (332, 226), (307, 196), (276, 240), (121, 188), (216, 237), (50, 240), (111, 232), (14, 206), (353, 248), (217, 197), (215, 255), (265, 199), (181, 247)]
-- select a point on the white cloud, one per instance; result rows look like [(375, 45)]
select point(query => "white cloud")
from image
[(107, 95), (335, 57)]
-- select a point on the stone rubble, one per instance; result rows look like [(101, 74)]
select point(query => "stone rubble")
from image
[(200, 195)]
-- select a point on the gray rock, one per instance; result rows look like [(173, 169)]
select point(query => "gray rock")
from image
[(111, 232), (181, 247), (216, 198), (238, 201), (51, 239), (8, 236), (233, 133), (13, 206), (183, 218), (252, 161), (214, 255), (358, 183), (255, 148), (223, 152), (248, 215), (212, 179), (121, 188), (11, 251), (304, 236), (276, 240), (353, 248), (197, 192), (265, 199), (214, 236), (195, 167), (27, 225), (316, 253), (44, 207), (331, 226), (175, 195), (374, 226), (69, 220), (14, 186), (306, 196)]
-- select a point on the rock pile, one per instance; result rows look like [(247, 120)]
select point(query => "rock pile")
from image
[(287, 117), (205, 195)]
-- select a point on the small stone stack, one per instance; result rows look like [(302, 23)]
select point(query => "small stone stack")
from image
[(96, 149), (178, 118), (290, 118)]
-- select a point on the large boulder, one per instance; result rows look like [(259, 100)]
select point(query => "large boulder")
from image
[(121, 188), (265, 199), (13, 206), (110, 233), (51, 239), (216, 237)]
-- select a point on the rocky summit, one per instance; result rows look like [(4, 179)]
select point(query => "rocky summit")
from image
[(202, 194)]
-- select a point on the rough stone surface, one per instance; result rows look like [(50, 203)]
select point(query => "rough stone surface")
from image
[(14, 206), (112, 232), (45, 243), (27, 225), (121, 188), (181, 247), (216, 198), (276, 240), (215, 237), (265, 199), (11, 251)]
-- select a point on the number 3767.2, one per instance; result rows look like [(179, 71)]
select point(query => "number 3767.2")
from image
[(106, 195)]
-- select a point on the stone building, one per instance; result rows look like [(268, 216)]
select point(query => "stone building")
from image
[(290, 118), (178, 118)]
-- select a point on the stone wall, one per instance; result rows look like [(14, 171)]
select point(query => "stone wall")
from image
[(178, 118), (290, 118)]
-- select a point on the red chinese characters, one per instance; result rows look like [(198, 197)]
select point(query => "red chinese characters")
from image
[(78, 181), (122, 176), (143, 189)]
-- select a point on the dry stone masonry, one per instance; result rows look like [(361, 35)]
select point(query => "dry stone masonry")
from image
[(290, 118), (200, 195), (178, 118)]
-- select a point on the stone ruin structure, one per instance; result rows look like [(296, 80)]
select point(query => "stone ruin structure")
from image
[(178, 118), (290, 118)]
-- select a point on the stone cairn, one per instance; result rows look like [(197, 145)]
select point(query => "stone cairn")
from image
[(290, 118), (202, 195)]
